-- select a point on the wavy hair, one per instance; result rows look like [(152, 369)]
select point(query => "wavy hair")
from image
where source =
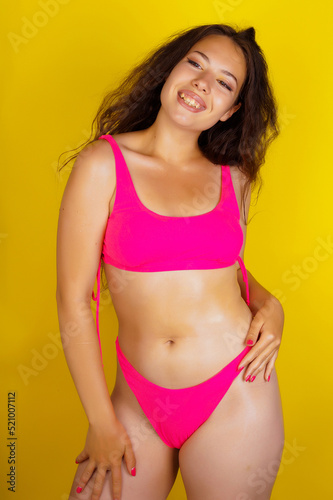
[(240, 141)]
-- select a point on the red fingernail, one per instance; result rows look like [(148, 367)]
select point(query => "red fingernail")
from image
[(241, 368), (249, 342), (78, 489), (133, 471), (247, 378), (268, 379), (252, 379), (76, 462)]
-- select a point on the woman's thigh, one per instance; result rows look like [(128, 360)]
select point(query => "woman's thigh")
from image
[(235, 454), (156, 463)]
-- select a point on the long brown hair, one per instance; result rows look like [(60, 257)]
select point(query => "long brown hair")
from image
[(240, 141)]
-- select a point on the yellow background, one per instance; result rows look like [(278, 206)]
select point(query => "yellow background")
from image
[(53, 79)]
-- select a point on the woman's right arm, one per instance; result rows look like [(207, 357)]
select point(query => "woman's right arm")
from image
[(82, 220)]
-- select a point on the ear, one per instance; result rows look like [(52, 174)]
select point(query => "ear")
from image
[(230, 112)]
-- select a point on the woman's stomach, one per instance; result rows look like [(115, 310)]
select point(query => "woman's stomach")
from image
[(179, 328)]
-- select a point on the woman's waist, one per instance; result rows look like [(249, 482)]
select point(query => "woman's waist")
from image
[(184, 353), (171, 303)]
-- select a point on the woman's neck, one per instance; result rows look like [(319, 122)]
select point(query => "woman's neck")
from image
[(173, 144)]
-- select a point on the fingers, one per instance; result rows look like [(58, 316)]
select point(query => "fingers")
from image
[(106, 457), (265, 359), (270, 366), (116, 481), (87, 473), (130, 461), (254, 330), (98, 484), (81, 457), (267, 341), (258, 365), (100, 480), (129, 458), (252, 354)]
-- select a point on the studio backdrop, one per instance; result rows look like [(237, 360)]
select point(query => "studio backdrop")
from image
[(59, 58)]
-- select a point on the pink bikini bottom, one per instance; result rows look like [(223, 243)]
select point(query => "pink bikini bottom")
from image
[(176, 413)]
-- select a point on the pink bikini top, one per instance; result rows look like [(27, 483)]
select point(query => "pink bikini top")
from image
[(138, 239)]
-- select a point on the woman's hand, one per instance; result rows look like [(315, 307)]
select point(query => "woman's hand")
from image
[(265, 335), (105, 447)]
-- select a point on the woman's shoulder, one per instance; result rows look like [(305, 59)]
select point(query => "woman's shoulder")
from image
[(96, 159), (98, 155)]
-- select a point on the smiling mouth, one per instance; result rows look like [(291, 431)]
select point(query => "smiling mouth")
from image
[(191, 102)]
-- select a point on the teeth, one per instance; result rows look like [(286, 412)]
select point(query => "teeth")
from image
[(189, 101)]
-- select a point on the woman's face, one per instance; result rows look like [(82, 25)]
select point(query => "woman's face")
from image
[(203, 87)]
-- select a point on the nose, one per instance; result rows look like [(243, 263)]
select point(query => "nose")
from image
[(201, 84)]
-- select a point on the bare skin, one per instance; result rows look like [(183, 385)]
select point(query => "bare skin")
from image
[(183, 326)]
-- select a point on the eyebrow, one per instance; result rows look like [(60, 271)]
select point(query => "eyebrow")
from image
[(226, 72)]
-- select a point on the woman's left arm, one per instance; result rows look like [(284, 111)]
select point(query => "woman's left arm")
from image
[(265, 332)]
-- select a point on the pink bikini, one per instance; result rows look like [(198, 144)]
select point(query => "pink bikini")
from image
[(138, 239)]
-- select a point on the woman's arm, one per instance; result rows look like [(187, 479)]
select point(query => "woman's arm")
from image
[(265, 332), (82, 221), (258, 294)]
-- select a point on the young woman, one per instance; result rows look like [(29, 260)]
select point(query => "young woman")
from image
[(162, 194)]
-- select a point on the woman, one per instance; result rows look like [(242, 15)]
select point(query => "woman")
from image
[(164, 198)]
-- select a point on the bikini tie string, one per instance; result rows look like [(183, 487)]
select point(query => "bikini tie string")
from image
[(96, 298)]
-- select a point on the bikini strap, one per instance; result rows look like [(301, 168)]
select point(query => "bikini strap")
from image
[(245, 279), (96, 298), (233, 205), (125, 192), (229, 195)]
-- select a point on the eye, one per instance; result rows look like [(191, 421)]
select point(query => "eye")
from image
[(225, 85), (197, 65)]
